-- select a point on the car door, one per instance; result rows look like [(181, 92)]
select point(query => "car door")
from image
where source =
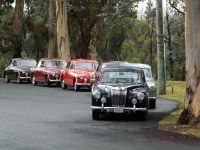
[(69, 74), (36, 71), (13, 70), (8, 71)]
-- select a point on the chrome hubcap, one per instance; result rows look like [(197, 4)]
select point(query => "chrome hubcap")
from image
[(33, 80), (63, 84)]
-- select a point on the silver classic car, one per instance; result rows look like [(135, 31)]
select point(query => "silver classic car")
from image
[(150, 82), (121, 89)]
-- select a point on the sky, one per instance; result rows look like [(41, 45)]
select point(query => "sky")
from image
[(142, 7)]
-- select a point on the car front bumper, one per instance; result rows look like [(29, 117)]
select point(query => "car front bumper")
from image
[(111, 109), (83, 84)]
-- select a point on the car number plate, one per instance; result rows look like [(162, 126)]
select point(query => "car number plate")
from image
[(118, 110)]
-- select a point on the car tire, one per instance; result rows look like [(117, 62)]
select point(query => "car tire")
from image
[(58, 84), (95, 114), (19, 81), (63, 85), (76, 87), (152, 104), (48, 82), (33, 80), (7, 79)]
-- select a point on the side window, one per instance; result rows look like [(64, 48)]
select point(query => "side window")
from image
[(72, 66), (14, 63), (68, 65), (39, 63), (43, 64)]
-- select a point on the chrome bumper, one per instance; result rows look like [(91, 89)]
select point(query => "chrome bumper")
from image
[(57, 80), (152, 98), (24, 77), (112, 108), (83, 84)]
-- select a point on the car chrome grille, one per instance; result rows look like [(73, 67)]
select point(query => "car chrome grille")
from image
[(118, 97)]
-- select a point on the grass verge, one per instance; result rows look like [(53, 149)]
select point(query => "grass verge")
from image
[(176, 91)]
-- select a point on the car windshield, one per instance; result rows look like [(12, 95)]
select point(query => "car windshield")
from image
[(148, 74), (85, 65), (132, 77), (26, 62), (56, 63)]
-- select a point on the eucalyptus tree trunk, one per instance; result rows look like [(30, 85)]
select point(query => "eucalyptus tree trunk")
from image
[(191, 113), (93, 44), (51, 29), (160, 49), (62, 30), (17, 28)]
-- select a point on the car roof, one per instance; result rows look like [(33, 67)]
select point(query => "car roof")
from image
[(114, 62), (83, 60), (52, 59), (118, 67), (143, 66), (23, 59)]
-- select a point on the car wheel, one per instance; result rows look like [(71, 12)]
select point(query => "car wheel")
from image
[(95, 114), (152, 104), (48, 82), (7, 79), (33, 81), (63, 85), (19, 81), (76, 87)]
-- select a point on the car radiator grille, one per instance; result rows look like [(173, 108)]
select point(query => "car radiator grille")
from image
[(118, 97)]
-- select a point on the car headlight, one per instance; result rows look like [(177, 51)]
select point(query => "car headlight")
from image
[(53, 74), (140, 96), (23, 72), (96, 94), (152, 88), (134, 101), (92, 76), (103, 100)]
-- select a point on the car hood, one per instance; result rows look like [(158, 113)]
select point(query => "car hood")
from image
[(121, 86), (83, 71), (24, 68), (54, 69)]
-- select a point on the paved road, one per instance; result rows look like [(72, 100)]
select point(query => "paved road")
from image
[(42, 118)]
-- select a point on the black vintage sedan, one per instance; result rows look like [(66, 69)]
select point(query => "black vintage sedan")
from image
[(19, 69), (120, 90)]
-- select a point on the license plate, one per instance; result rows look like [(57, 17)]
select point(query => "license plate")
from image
[(118, 110)]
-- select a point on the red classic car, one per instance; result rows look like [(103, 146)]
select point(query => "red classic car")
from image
[(19, 69), (48, 71), (79, 73)]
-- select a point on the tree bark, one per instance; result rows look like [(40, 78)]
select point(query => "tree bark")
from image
[(160, 49), (171, 60), (51, 30), (62, 30), (93, 44), (17, 28), (191, 113)]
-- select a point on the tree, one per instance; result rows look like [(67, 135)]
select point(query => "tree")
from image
[(191, 113), (150, 18), (160, 49), (51, 29), (62, 30), (86, 14), (17, 27)]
